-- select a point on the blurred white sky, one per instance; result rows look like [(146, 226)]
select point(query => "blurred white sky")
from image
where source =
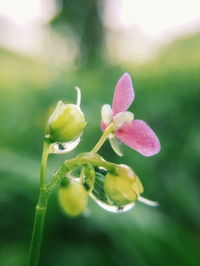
[(22, 12), (135, 28), (152, 17), (140, 27), (21, 23)]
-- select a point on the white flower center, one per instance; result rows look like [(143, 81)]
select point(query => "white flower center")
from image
[(122, 118), (119, 119)]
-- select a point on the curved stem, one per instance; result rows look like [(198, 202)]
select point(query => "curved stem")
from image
[(103, 138), (148, 202), (78, 100), (75, 163), (45, 190), (40, 211)]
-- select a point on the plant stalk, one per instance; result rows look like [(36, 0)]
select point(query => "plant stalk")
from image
[(46, 190), (103, 138), (40, 211)]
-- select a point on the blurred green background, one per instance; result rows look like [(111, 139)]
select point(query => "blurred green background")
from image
[(167, 89)]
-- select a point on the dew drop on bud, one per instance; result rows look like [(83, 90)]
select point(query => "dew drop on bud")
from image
[(74, 174), (113, 208), (98, 194), (64, 147)]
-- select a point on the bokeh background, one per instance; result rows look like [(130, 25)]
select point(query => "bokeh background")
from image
[(46, 48)]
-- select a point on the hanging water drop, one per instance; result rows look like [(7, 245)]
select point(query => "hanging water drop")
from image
[(64, 147), (74, 174), (98, 194)]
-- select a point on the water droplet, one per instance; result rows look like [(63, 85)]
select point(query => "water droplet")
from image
[(64, 147), (74, 174), (99, 196), (112, 208)]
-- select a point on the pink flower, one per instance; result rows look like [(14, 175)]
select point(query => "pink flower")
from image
[(134, 133)]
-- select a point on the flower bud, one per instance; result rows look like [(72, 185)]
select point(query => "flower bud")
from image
[(73, 198), (124, 187), (66, 123)]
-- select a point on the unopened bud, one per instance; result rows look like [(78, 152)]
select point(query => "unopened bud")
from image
[(66, 123), (124, 187), (73, 198)]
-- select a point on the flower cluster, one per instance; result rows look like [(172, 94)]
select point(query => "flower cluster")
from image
[(114, 187)]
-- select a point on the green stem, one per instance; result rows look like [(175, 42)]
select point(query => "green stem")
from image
[(38, 227), (44, 160), (75, 163), (40, 211), (45, 190), (103, 138)]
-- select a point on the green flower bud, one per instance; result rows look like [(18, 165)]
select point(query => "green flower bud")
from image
[(73, 198), (66, 123), (124, 187)]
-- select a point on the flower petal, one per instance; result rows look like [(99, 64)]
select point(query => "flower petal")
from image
[(103, 126), (122, 118), (123, 95), (115, 144), (106, 114), (140, 137)]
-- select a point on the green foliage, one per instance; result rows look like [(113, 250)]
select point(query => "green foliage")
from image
[(167, 97)]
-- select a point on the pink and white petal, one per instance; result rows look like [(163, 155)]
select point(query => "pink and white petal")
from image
[(103, 126), (140, 137), (106, 113), (123, 95), (122, 118)]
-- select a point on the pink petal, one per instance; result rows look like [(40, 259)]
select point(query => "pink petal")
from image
[(123, 95), (103, 126), (140, 137)]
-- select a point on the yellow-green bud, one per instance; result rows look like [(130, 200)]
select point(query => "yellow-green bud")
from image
[(66, 123), (124, 187), (73, 198)]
